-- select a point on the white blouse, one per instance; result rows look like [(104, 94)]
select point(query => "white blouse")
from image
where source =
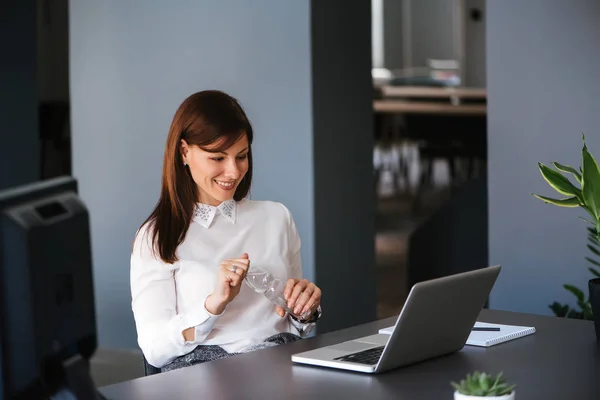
[(169, 298)]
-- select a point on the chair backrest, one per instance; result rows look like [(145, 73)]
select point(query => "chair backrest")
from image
[(150, 369)]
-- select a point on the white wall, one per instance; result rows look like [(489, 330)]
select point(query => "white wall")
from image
[(131, 64), (542, 76), (377, 37)]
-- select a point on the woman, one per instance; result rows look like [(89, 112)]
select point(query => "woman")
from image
[(191, 255)]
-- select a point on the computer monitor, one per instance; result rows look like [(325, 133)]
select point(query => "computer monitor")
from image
[(48, 318)]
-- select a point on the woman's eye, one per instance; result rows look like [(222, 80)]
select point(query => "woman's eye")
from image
[(243, 157), (217, 158)]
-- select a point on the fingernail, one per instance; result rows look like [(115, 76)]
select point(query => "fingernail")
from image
[(297, 310)]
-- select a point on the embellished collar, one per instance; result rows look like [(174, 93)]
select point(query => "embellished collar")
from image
[(204, 214)]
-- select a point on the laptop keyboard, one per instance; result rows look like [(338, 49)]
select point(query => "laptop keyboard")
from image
[(369, 357)]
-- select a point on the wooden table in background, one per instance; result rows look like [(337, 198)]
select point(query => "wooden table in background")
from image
[(412, 100), (437, 92), (391, 106)]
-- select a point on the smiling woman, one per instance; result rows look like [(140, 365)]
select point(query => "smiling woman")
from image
[(191, 256), (206, 125)]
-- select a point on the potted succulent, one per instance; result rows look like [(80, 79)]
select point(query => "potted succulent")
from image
[(586, 197), (481, 385)]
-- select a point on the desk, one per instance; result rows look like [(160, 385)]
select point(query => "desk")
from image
[(560, 361)]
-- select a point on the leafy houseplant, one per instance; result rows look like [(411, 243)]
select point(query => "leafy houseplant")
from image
[(586, 197), (481, 384)]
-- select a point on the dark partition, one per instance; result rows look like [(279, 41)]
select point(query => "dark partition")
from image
[(455, 238)]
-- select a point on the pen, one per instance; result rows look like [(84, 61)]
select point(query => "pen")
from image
[(478, 328)]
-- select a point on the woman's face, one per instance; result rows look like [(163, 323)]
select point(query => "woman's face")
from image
[(217, 175)]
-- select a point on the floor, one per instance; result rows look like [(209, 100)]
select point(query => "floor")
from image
[(396, 219), (111, 366)]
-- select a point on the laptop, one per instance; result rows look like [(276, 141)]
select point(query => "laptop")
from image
[(436, 320)]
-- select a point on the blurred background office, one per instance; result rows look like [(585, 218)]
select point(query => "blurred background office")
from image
[(430, 120)]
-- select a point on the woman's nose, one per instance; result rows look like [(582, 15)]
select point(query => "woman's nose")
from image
[(233, 170)]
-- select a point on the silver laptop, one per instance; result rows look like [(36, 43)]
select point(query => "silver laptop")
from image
[(436, 319)]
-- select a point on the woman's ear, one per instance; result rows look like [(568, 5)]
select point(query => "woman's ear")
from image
[(184, 148)]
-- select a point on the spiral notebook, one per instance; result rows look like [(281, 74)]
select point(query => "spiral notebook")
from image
[(506, 333), (486, 338)]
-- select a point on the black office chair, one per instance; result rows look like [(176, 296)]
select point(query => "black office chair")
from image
[(149, 369)]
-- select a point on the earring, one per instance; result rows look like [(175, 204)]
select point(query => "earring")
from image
[(184, 164)]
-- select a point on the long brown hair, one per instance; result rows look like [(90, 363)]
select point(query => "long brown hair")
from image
[(204, 118)]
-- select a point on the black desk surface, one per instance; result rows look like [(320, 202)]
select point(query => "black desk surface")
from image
[(560, 361)]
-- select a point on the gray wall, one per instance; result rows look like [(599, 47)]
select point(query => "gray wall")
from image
[(542, 74), (475, 44), (344, 194), (132, 64), (430, 25), (19, 137), (432, 31), (392, 34)]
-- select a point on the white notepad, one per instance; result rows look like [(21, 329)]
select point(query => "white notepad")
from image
[(507, 333), (487, 338)]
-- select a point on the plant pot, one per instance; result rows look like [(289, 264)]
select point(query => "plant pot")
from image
[(594, 288), (460, 396)]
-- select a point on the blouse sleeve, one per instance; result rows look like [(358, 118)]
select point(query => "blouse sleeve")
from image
[(154, 304), (294, 247), (295, 260)]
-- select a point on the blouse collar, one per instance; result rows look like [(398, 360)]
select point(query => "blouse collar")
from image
[(204, 214)]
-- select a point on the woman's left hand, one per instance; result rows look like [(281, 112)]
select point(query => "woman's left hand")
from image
[(301, 296)]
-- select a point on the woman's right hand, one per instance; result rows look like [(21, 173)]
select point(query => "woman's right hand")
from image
[(230, 278)]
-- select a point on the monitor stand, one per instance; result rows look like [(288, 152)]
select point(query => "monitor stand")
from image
[(79, 383)]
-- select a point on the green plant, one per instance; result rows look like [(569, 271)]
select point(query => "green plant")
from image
[(585, 308), (483, 384), (587, 197)]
